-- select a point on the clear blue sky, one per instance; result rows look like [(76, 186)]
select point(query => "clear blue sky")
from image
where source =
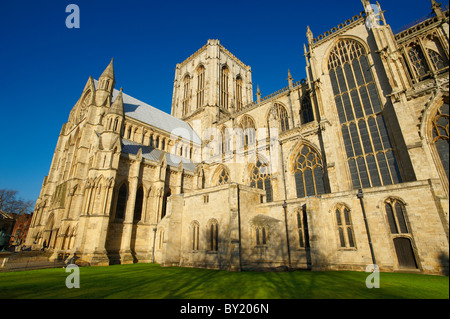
[(44, 65)]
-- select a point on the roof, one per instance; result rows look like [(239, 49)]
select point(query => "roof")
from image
[(148, 114), (154, 154)]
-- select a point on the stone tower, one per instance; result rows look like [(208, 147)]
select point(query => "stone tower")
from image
[(210, 84)]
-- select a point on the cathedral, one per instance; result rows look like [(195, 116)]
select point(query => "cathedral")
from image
[(346, 168)]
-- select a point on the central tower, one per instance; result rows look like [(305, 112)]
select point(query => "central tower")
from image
[(210, 83)]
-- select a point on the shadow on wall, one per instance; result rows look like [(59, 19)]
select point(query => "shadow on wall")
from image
[(443, 258)]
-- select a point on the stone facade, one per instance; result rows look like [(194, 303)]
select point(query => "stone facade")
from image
[(343, 169)]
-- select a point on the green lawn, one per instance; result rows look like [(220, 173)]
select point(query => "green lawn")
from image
[(140, 281)]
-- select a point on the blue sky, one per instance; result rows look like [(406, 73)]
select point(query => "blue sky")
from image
[(44, 65)]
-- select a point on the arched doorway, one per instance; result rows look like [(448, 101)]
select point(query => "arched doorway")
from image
[(405, 253)]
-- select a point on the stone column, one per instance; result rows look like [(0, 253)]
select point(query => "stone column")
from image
[(125, 250)]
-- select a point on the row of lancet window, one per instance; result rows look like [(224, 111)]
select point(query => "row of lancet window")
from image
[(186, 98), (212, 235), (224, 90), (248, 126), (122, 203)]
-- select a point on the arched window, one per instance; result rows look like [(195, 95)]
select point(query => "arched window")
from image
[(226, 140), (164, 204), (195, 234), (261, 236), (441, 137), (213, 235), (239, 103), (279, 112), (200, 86), (138, 204), (344, 226), (122, 202), (308, 171), (222, 177), (186, 94), (249, 131), (418, 61), (260, 177), (302, 226), (224, 88), (370, 155), (306, 111), (395, 212), (436, 60)]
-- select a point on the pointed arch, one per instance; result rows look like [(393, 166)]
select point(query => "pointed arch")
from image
[(221, 175), (308, 171), (238, 90), (261, 177), (121, 201), (370, 155), (200, 85), (248, 126), (213, 234), (344, 226), (306, 111), (280, 113), (186, 94), (137, 215), (224, 86), (194, 230)]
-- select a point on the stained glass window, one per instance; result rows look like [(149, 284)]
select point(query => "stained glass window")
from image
[(308, 173), (260, 178), (367, 144), (440, 135)]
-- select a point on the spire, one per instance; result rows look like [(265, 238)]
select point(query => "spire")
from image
[(117, 106), (109, 71), (290, 79), (309, 35), (105, 87), (258, 94), (436, 7)]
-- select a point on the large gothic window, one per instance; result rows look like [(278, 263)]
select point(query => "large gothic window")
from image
[(224, 87), (222, 177), (368, 147), (122, 201), (260, 177), (281, 115), (308, 170), (200, 86), (440, 135)]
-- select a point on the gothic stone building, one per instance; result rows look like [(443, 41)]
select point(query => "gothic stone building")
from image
[(346, 168)]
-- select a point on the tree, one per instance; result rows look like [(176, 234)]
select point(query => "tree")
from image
[(9, 203)]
